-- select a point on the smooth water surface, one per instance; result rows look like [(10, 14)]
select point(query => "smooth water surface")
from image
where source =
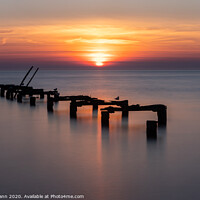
[(49, 153)]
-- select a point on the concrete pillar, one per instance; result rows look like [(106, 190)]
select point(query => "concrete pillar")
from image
[(50, 101), (32, 101), (125, 113), (8, 94), (56, 97), (48, 96), (125, 119), (162, 117), (42, 96), (151, 129), (105, 119), (125, 103), (95, 107), (11, 95), (124, 107), (2, 92), (73, 109), (19, 98)]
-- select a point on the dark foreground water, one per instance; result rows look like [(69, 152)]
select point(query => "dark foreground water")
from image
[(43, 153)]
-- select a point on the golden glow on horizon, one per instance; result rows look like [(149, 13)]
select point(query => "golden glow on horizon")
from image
[(100, 44), (99, 64), (99, 57)]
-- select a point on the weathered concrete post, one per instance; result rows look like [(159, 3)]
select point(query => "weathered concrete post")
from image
[(11, 95), (2, 91), (95, 107), (73, 109), (56, 97), (8, 94), (50, 101), (32, 101), (151, 129), (19, 98), (125, 113), (105, 119), (42, 96), (162, 116)]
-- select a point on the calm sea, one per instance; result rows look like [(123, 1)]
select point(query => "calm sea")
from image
[(43, 153)]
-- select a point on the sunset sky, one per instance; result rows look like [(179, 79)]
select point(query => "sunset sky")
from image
[(76, 34)]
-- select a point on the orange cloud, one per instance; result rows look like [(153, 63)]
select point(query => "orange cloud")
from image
[(3, 41), (92, 43)]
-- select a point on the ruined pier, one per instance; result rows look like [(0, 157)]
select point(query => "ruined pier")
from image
[(18, 92)]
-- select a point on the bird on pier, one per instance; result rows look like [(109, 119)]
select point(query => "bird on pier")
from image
[(117, 98)]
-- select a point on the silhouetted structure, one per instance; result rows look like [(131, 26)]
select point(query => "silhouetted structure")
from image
[(80, 100), (151, 129), (105, 119), (32, 101), (159, 108)]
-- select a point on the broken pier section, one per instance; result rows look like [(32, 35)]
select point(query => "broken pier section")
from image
[(20, 91)]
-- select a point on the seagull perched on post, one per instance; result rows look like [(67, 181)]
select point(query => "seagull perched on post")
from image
[(117, 98)]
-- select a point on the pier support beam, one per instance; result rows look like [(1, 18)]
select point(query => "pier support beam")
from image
[(125, 114), (125, 118), (56, 97), (11, 95), (42, 96), (105, 119), (8, 94), (151, 129), (48, 96), (19, 98), (162, 117), (32, 101), (95, 107), (50, 101), (73, 109), (2, 92), (125, 111)]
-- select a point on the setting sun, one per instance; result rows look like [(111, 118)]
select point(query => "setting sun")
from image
[(99, 58), (99, 64)]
